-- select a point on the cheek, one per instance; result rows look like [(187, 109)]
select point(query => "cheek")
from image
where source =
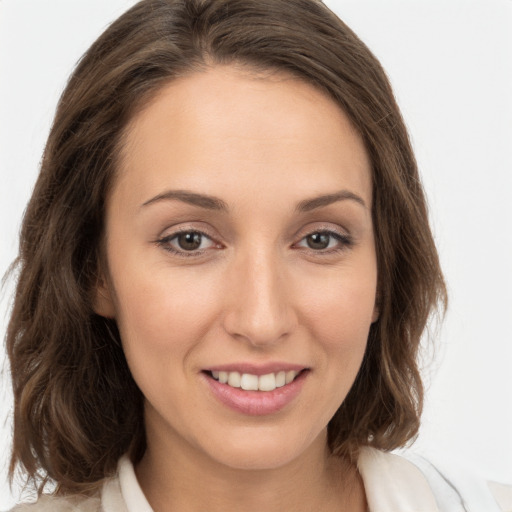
[(162, 322), (337, 312), (340, 309), (161, 312)]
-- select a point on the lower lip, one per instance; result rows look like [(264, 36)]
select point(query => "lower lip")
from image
[(256, 403)]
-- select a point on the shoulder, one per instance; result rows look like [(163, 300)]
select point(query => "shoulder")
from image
[(503, 495), (58, 504), (120, 493), (408, 481), (473, 491)]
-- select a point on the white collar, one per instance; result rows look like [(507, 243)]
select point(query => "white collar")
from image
[(391, 482), (124, 494)]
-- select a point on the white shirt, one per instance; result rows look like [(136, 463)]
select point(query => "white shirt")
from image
[(393, 483)]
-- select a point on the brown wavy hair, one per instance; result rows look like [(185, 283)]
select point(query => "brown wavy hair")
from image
[(77, 408)]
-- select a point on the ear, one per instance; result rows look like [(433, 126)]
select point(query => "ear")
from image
[(376, 309), (376, 313), (102, 302)]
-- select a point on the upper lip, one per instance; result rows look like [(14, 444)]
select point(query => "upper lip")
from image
[(256, 369)]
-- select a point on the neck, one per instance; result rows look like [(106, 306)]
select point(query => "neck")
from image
[(176, 477)]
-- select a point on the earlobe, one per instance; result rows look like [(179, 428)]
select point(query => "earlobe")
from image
[(376, 314), (103, 304)]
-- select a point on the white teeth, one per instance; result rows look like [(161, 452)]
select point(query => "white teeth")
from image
[(290, 376), (280, 379), (250, 382), (267, 382), (234, 379)]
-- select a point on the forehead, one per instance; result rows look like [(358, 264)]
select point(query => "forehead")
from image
[(220, 128)]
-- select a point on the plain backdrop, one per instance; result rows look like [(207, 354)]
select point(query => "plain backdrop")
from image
[(450, 63)]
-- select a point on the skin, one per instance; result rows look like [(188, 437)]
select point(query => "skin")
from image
[(255, 291)]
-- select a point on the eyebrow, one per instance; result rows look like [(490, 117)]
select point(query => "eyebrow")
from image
[(214, 203), (325, 200), (202, 200)]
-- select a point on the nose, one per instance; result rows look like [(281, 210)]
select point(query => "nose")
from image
[(259, 308)]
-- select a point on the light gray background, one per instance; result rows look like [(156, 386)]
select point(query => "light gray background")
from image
[(451, 65)]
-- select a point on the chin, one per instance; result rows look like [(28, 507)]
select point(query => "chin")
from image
[(261, 451)]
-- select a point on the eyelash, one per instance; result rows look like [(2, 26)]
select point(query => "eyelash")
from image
[(165, 241), (345, 242)]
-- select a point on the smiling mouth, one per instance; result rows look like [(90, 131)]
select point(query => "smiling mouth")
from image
[(251, 382)]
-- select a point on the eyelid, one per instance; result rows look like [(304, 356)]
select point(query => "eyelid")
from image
[(165, 239), (322, 227), (344, 238)]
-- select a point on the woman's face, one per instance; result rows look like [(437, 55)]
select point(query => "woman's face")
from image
[(240, 247)]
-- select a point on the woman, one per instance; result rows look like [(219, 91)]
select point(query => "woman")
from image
[(225, 270)]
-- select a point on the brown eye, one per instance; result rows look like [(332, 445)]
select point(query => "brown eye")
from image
[(189, 241), (318, 241), (325, 242)]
